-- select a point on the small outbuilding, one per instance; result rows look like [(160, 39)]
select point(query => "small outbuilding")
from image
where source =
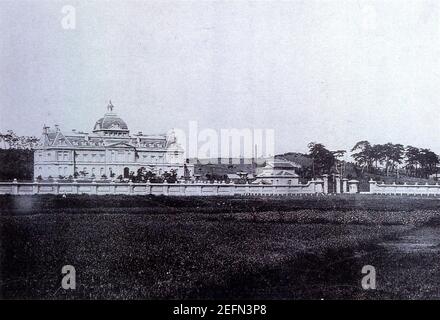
[(278, 172)]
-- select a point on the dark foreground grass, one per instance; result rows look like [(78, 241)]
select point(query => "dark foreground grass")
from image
[(211, 248), (14, 205)]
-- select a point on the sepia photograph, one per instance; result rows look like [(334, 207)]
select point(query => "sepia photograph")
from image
[(236, 151)]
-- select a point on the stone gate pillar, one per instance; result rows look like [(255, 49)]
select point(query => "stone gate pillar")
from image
[(372, 186), (353, 186), (319, 186), (338, 183), (15, 186), (325, 186), (344, 185), (35, 187)]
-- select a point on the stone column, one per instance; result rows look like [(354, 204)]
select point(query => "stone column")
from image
[(372, 186), (165, 188), (338, 183), (325, 178), (94, 187), (148, 187), (112, 187), (35, 187), (344, 185), (75, 186), (57, 187), (130, 187), (15, 186)]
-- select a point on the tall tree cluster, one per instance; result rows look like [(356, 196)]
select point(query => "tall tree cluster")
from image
[(389, 157), (323, 159)]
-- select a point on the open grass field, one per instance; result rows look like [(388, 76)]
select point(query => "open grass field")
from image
[(130, 247)]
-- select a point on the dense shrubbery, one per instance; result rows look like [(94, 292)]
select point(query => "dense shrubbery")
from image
[(16, 164)]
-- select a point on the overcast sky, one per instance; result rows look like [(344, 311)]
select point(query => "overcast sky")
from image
[(334, 72)]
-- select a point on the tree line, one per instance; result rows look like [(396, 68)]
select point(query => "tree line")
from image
[(388, 158), (10, 140)]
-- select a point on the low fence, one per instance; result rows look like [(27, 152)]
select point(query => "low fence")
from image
[(404, 189), (177, 189)]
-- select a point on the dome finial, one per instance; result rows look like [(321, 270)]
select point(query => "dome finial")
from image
[(110, 106)]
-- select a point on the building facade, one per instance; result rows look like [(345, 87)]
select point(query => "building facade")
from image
[(109, 151)]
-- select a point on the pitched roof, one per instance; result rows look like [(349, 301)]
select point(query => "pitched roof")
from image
[(278, 174), (282, 164)]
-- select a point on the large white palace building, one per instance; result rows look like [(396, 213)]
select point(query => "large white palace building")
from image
[(110, 151)]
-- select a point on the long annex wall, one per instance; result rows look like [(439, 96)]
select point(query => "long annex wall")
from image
[(177, 189), (404, 189)]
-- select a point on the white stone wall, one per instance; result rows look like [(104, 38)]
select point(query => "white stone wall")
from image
[(178, 189), (404, 189)]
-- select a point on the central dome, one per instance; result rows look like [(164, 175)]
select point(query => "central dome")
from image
[(110, 122)]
